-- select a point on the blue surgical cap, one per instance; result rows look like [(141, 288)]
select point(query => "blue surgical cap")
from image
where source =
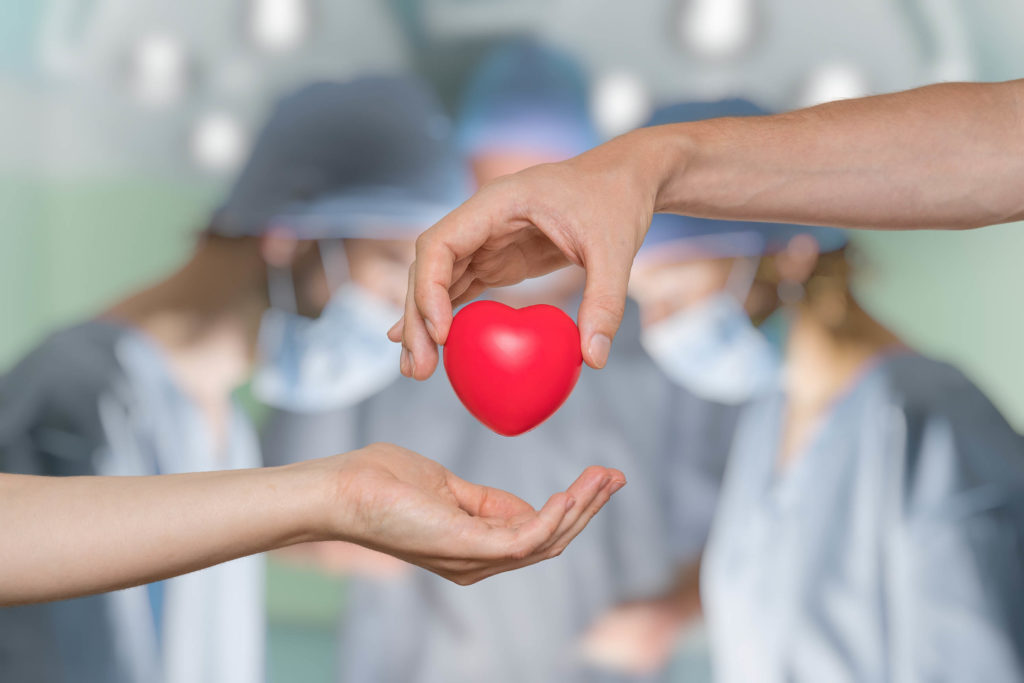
[(372, 158), (709, 238), (526, 97)]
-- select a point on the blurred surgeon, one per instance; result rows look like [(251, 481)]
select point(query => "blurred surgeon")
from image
[(684, 279), (871, 523), (146, 387), (872, 518), (526, 104)]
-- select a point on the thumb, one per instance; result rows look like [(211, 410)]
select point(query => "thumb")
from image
[(604, 300)]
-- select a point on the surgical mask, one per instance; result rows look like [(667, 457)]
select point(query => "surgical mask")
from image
[(336, 360), (713, 349)]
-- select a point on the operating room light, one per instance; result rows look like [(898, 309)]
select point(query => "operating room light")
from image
[(716, 29), (218, 143), (279, 25), (158, 70), (836, 81), (620, 102)]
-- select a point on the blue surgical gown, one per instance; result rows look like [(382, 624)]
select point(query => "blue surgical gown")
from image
[(99, 398), (891, 549), (523, 626)]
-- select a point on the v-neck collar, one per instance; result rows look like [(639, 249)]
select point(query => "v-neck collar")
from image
[(782, 485)]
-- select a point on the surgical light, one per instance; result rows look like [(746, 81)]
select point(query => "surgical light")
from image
[(833, 81), (158, 69), (620, 102), (716, 29), (278, 25), (218, 142)]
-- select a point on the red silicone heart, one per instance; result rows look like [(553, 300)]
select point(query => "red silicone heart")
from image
[(512, 368)]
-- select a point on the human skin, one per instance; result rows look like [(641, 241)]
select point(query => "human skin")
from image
[(947, 156), (69, 536), (638, 637)]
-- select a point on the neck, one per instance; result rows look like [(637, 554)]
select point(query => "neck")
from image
[(205, 317), (821, 362)]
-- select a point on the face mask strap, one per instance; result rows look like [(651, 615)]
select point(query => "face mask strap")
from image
[(334, 261), (281, 289), (741, 277)]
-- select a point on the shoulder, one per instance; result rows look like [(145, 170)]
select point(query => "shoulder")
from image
[(957, 454), (927, 392), (72, 355), (82, 358), (54, 393), (923, 384)]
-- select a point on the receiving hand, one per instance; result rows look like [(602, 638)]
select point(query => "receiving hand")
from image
[(592, 211), (398, 502), (116, 532)]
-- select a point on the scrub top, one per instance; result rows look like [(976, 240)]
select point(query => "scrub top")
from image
[(891, 549), (99, 398), (522, 625)]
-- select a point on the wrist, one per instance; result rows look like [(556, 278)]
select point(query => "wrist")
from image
[(308, 494), (661, 157)]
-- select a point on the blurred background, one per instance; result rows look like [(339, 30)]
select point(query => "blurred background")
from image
[(123, 121)]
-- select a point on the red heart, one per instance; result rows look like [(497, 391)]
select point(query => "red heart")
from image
[(512, 368)]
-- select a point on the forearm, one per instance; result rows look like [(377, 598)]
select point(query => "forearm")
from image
[(943, 156), (70, 536)]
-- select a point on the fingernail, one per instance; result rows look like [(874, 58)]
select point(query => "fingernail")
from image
[(617, 485), (600, 346), (430, 330), (570, 502), (412, 365), (604, 483), (406, 362)]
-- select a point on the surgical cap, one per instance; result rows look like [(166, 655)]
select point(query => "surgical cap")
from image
[(710, 238), (526, 97), (372, 158)]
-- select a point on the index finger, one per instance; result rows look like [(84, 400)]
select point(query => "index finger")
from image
[(428, 296), (419, 354), (428, 306), (456, 237)]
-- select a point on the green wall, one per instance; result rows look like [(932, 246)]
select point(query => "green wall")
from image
[(71, 248), (955, 295)]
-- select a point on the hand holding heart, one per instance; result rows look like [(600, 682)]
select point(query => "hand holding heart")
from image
[(592, 211)]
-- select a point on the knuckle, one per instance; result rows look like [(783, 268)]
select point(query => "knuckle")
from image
[(494, 185), (386, 447), (608, 304), (424, 240)]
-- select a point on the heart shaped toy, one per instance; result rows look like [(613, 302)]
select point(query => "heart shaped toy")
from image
[(512, 368)]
